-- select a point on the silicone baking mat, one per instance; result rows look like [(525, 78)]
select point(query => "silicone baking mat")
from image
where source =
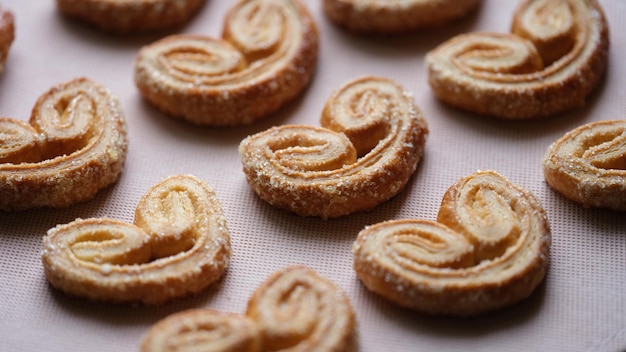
[(581, 306)]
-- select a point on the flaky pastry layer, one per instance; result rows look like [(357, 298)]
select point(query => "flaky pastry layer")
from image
[(588, 165), (178, 245), (203, 330), (127, 16), (550, 63), (488, 249), (239, 78), (372, 139), (395, 16), (295, 309), (73, 146)]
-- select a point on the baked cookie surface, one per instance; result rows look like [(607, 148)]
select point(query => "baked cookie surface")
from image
[(372, 139), (395, 16), (74, 145), (178, 245), (488, 249), (266, 57), (550, 63), (129, 16), (588, 165)]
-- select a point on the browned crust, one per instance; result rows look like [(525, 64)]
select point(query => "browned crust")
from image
[(331, 328), (570, 172), (463, 290), (140, 272), (124, 283), (126, 16), (68, 176), (559, 87), (334, 196), (322, 319), (355, 186), (230, 99), (382, 16), (7, 34), (465, 301), (223, 332)]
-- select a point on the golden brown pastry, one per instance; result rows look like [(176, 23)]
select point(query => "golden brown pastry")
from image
[(588, 165), (372, 138), (488, 249), (203, 330), (394, 16), (178, 245), (550, 63), (266, 57), (125, 16), (7, 34), (295, 309), (74, 145)]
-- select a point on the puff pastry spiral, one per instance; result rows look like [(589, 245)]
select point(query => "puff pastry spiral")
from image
[(588, 165), (372, 139), (266, 57), (393, 16), (127, 16), (295, 309), (178, 245), (488, 249), (550, 63), (203, 330), (74, 145)]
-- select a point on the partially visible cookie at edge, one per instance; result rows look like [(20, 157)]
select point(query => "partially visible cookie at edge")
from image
[(588, 165), (384, 16), (7, 34), (128, 16)]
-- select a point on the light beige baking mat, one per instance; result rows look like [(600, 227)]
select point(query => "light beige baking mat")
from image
[(580, 307)]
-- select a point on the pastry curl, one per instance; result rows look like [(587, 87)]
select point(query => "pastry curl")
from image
[(295, 309), (179, 245), (371, 143), (128, 16), (7, 34), (266, 57), (203, 330), (395, 16), (553, 59), (74, 145), (588, 165), (488, 249)]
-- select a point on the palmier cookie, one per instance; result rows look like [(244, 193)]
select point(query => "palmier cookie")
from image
[(203, 330), (295, 309), (74, 145), (385, 16), (7, 34), (552, 60), (372, 139), (178, 245), (126, 16), (240, 78), (588, 165), (488, 249)]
